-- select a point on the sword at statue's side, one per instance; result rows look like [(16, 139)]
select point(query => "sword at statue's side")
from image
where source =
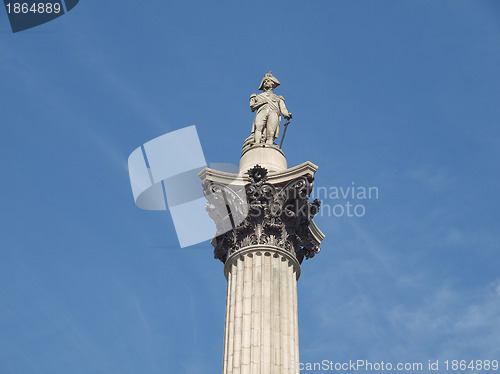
[(284, 132)]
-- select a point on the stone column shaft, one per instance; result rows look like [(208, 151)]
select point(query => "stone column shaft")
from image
[(261, 332)]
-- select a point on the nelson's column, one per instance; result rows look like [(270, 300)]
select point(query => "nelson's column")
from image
[(264, 231)]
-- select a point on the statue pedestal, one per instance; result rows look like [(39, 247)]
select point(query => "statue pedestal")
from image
[(269, 156)]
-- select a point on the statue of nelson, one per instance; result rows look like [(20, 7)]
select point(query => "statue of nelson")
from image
[(269, 107)]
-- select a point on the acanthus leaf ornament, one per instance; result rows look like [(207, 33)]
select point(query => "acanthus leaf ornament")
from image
[(276, 216)]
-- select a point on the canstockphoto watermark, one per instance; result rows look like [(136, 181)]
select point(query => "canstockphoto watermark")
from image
[(344, 201), (164, 175), (428, 366), (357, 365)]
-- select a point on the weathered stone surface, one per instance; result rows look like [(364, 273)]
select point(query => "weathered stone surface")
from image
[(276, 214), (261, 334)]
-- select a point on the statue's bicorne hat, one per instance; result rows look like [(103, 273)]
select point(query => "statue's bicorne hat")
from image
[(271, 77)]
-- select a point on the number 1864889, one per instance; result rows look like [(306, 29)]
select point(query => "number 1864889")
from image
[(476, 365), (45, 7)]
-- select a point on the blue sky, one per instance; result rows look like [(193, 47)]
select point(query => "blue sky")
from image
[(394, 94)]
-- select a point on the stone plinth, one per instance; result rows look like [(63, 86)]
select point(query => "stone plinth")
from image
[(269, 156)]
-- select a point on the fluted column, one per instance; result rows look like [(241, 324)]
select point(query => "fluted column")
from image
[(261, 332), (265, 229)]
